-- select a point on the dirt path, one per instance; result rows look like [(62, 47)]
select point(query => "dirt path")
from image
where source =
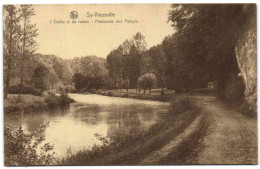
[(228, 138), (163, 152), (231, 138)]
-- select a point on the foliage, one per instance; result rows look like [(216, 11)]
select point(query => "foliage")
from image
[(157, 63), (28, 44), (109, 93), (79, 81), (65, 99), (93, 91), (39, 74), (21, 149), (53, 79), (147, 81), (180, 104), (52, 101), (126, 84), (26, 90), (127, 61), (86, 83), (202, 49), (11, 39), (19, 43)]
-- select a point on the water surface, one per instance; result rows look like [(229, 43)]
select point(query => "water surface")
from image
[(76, 127)]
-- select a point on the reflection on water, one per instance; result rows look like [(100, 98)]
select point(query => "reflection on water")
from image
[(75, 127)]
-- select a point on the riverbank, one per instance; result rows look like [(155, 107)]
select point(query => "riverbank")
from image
[(129, 148), (15, 104), (193, 128), (155, 94), (196, 133)]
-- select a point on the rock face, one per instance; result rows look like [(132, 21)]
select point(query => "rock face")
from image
[(246, 55)]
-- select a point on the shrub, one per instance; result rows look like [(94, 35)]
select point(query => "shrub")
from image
[(73, 91), (14, 105), (93, 91), (65, 99), (25, 90), (110, 93), (13, 109), (181, 104), (126, 95), (147, 81), (52, 101), (20, 149)]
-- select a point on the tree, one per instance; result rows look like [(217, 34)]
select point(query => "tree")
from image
[(157, 63), (115, 65), (53, 79), (28, 35), (108, 83), (147, 81), (11, 39), (133, 66), (135, 59), (38, 77), (96, 69), (126, 84), (139, 42), (79, 81), (207, 35), (127, 61)]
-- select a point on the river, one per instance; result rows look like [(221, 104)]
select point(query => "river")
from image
[(76, 127)]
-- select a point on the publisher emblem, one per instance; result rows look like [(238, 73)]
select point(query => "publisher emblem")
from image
[(74, 15)]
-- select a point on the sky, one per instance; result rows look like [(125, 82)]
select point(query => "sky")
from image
[(69, 40)]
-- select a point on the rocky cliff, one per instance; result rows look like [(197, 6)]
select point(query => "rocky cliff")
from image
[(246, 55)]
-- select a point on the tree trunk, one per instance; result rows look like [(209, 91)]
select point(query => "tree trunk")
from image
[(9, 60), (21, 84), (7, 83), (144, 90), (23, 56), (150, 89), (162, 91), (127, 90)]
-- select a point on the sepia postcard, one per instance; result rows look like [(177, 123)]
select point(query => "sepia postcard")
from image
[(130, 84)]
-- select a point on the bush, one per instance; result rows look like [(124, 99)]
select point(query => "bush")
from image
[(73, 91), (65, 99), (110, 93), (181, 104), (13, 109), (20, 149), (147, 81), (93, 91), (126, 95), (52, 101), (25, 90)]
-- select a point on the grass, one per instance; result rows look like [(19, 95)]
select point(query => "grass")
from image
[(132, 93), (15, 104), (187, 152), (28, 98)]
